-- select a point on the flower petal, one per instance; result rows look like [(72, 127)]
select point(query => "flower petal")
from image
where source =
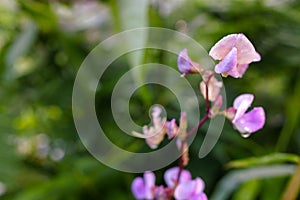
[(186, 65), (214, 87), (223, 47), (160, 193), (138, 188), (229, 62), (200, 185), (246, 51), (172, 129), (183, 61), (171, 174), (238, 71), (201, 196), (251, 121), (149, 179), (241, 104), (185, 190)]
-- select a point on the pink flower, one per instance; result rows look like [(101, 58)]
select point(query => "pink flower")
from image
[(214, 87), (235, 53), (144, 188), (155, 134), (186, 65), (215, 109), (173, 129), (186, 188), (192, 190), (171, 174), (247, 123)]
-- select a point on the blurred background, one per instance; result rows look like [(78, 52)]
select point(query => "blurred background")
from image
[(42, 45)]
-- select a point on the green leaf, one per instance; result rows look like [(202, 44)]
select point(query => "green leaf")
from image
[(248, 191), (233, 179), (264, 160), (19, 48)]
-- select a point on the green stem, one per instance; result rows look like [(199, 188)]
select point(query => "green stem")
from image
[(293, 188)]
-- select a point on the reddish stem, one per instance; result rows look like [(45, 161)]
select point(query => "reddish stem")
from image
[(191, 132)]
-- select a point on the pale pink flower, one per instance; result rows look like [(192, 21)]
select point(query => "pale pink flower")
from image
[(214, 87), (235, 53), (247, 123), (144, 188), (192, 190), (171, 175), (155, 134)]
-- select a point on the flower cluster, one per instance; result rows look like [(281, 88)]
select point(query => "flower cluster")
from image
[(234, 53), (185, 188)]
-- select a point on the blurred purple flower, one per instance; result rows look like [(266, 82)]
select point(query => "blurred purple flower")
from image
[(186, 65), (144, 188), (247, 123), (192, 190), (235, 53), (171, 175), (186, 188)]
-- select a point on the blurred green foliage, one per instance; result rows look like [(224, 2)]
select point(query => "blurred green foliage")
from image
[(42, 45)]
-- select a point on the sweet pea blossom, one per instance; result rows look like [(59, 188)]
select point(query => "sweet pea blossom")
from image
[(171, 175), (186, 65), (235, 53), (247, 123), (144, 188), (192, 190), (155, 133), (186, 188)]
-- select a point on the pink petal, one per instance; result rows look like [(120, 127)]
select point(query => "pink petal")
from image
[(201, 196), (199, 187), (172, 129), (246, 51), (149, 179), (218, 102), (229, 62), (251, 121), (233, 72), (185, 190), (230, 113), (241, 69), (160, 193), (223, 46), (138, 188), (183, 61), (171, 174), (185, 64), (214, 87), (241, 104)]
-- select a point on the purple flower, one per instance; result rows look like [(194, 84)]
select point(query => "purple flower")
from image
[(172, 130), (171, 174), (192, 190), (247, 123), (144, 188), (186, 188), (186, 65), (235, 53)]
